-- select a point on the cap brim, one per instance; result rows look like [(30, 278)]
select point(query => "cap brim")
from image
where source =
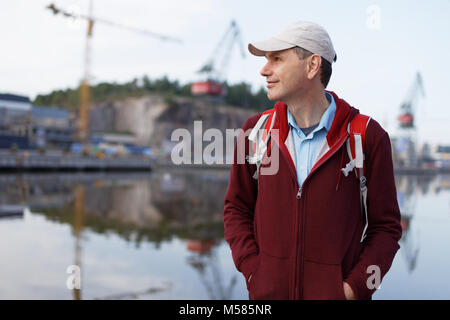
[(262, 47)]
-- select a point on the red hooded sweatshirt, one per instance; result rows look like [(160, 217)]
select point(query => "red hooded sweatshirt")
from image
[(303, 243)]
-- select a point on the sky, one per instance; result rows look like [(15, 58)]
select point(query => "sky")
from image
[(380, 45)]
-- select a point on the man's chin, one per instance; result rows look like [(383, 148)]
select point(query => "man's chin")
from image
[(272, 96)]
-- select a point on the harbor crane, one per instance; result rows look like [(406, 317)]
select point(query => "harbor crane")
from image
[(213, 71), (408, 107), (406, 135), (83, 121)]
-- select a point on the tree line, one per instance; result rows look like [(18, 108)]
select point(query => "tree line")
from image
[(239, 95)]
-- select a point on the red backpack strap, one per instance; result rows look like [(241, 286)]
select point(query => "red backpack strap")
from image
[(270, 122), (263, 123)]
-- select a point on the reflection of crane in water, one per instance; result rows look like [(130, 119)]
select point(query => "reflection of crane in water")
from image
[(407, 202), (19, 211), (80, 193), (77, 231), (203, 258)]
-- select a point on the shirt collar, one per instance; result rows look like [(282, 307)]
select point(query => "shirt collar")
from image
[(325, 121)]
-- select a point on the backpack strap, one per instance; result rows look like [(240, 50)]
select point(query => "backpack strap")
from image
[(260, 138), (355, 149)]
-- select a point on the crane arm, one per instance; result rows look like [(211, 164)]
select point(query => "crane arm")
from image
[(230, 37), (162, 37), (208, 67), (414, 92)]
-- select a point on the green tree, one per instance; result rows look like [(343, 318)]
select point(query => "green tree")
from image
[(146, 83), (239, 94)]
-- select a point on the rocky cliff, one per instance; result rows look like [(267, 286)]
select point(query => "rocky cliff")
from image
[(152, 119)]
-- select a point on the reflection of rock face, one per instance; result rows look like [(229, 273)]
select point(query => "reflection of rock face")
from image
[(135, 204), (180, 199), (156, 206), (190, 198), (187, 204), (129, 204)]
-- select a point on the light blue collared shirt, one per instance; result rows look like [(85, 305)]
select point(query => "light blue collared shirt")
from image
[(306, 148)]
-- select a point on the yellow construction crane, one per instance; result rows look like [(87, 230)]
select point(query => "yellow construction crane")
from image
[(83, 121)]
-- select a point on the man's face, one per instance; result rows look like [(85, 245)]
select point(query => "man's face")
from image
[(285, 75)]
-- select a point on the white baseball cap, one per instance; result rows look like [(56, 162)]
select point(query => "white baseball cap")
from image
[(304, 34)]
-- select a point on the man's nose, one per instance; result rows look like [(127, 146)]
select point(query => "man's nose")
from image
[(266, 71)]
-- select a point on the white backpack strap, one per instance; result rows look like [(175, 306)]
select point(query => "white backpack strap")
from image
[(363, 199), (360, 157), (358, 163), (258, 125), (256, 136), (351, 164)]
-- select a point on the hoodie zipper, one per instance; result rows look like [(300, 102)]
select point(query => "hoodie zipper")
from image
[(299, 213), (298, 196), (299, 193), (335, 149)]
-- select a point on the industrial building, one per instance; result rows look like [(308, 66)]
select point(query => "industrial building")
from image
[(25, 126), (52, 127), (15, 121)]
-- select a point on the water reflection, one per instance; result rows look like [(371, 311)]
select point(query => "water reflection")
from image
[(409, 189), (139, 208), (406, 189), (173, 222), (80, 193), (155, 208)]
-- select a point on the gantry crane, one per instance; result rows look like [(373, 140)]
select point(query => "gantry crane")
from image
[(406, 135), (213, 71), (408, 107), (83, 121)]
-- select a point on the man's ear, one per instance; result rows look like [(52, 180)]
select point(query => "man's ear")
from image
[(313, 66)]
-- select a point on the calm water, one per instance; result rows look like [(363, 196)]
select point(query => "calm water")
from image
[(160, 236)]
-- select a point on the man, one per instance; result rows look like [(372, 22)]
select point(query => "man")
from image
[(297, 233)]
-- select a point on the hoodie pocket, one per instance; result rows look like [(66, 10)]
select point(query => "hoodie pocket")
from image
[(270, 280), (322, 281), (252, 280)]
